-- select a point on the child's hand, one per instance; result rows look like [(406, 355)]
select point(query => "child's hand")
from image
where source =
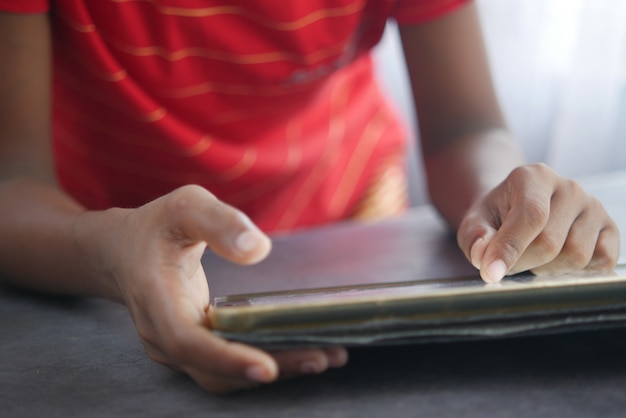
[(155, 260), (536, 220)]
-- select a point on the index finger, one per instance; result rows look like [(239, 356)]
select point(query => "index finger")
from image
[(185, 338), (525, 220)]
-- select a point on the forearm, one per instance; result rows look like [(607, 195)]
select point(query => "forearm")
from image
[(465, 145), (50, 243), (466, 169)]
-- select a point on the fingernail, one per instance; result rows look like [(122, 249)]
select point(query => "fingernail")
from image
[(337, 358), (311, 367), (248, 241), (496, 271), (258, 374)]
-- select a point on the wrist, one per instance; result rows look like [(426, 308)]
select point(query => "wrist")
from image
[(95, 236), (462, 173)]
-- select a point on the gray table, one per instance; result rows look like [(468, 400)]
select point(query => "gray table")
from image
[(67, 357)]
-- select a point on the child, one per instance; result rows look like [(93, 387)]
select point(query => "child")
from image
[(173, 118)]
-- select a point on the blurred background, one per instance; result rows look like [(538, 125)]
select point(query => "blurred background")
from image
[(560, 70)]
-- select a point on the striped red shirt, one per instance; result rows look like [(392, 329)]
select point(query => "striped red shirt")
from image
[(272, 106)]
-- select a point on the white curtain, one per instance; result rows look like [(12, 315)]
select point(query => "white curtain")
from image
[(560, 70)]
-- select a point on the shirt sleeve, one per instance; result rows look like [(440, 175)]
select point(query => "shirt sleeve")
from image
[(24, 6), (407, 12)]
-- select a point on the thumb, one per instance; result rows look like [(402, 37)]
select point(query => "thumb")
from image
[(194, 215), (474, 235), (478, 247), (491, 271), (477, 238)]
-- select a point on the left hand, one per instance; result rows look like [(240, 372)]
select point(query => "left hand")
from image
[(537, 220)]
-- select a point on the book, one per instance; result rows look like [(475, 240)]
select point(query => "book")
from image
[(396, 282), (424, 310)]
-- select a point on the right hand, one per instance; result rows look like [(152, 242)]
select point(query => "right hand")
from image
[(153, 258), (539, 221)]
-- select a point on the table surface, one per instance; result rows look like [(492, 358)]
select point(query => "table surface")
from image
[(66, 357)]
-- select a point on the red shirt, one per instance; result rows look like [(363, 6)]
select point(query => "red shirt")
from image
[(272, 106)]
